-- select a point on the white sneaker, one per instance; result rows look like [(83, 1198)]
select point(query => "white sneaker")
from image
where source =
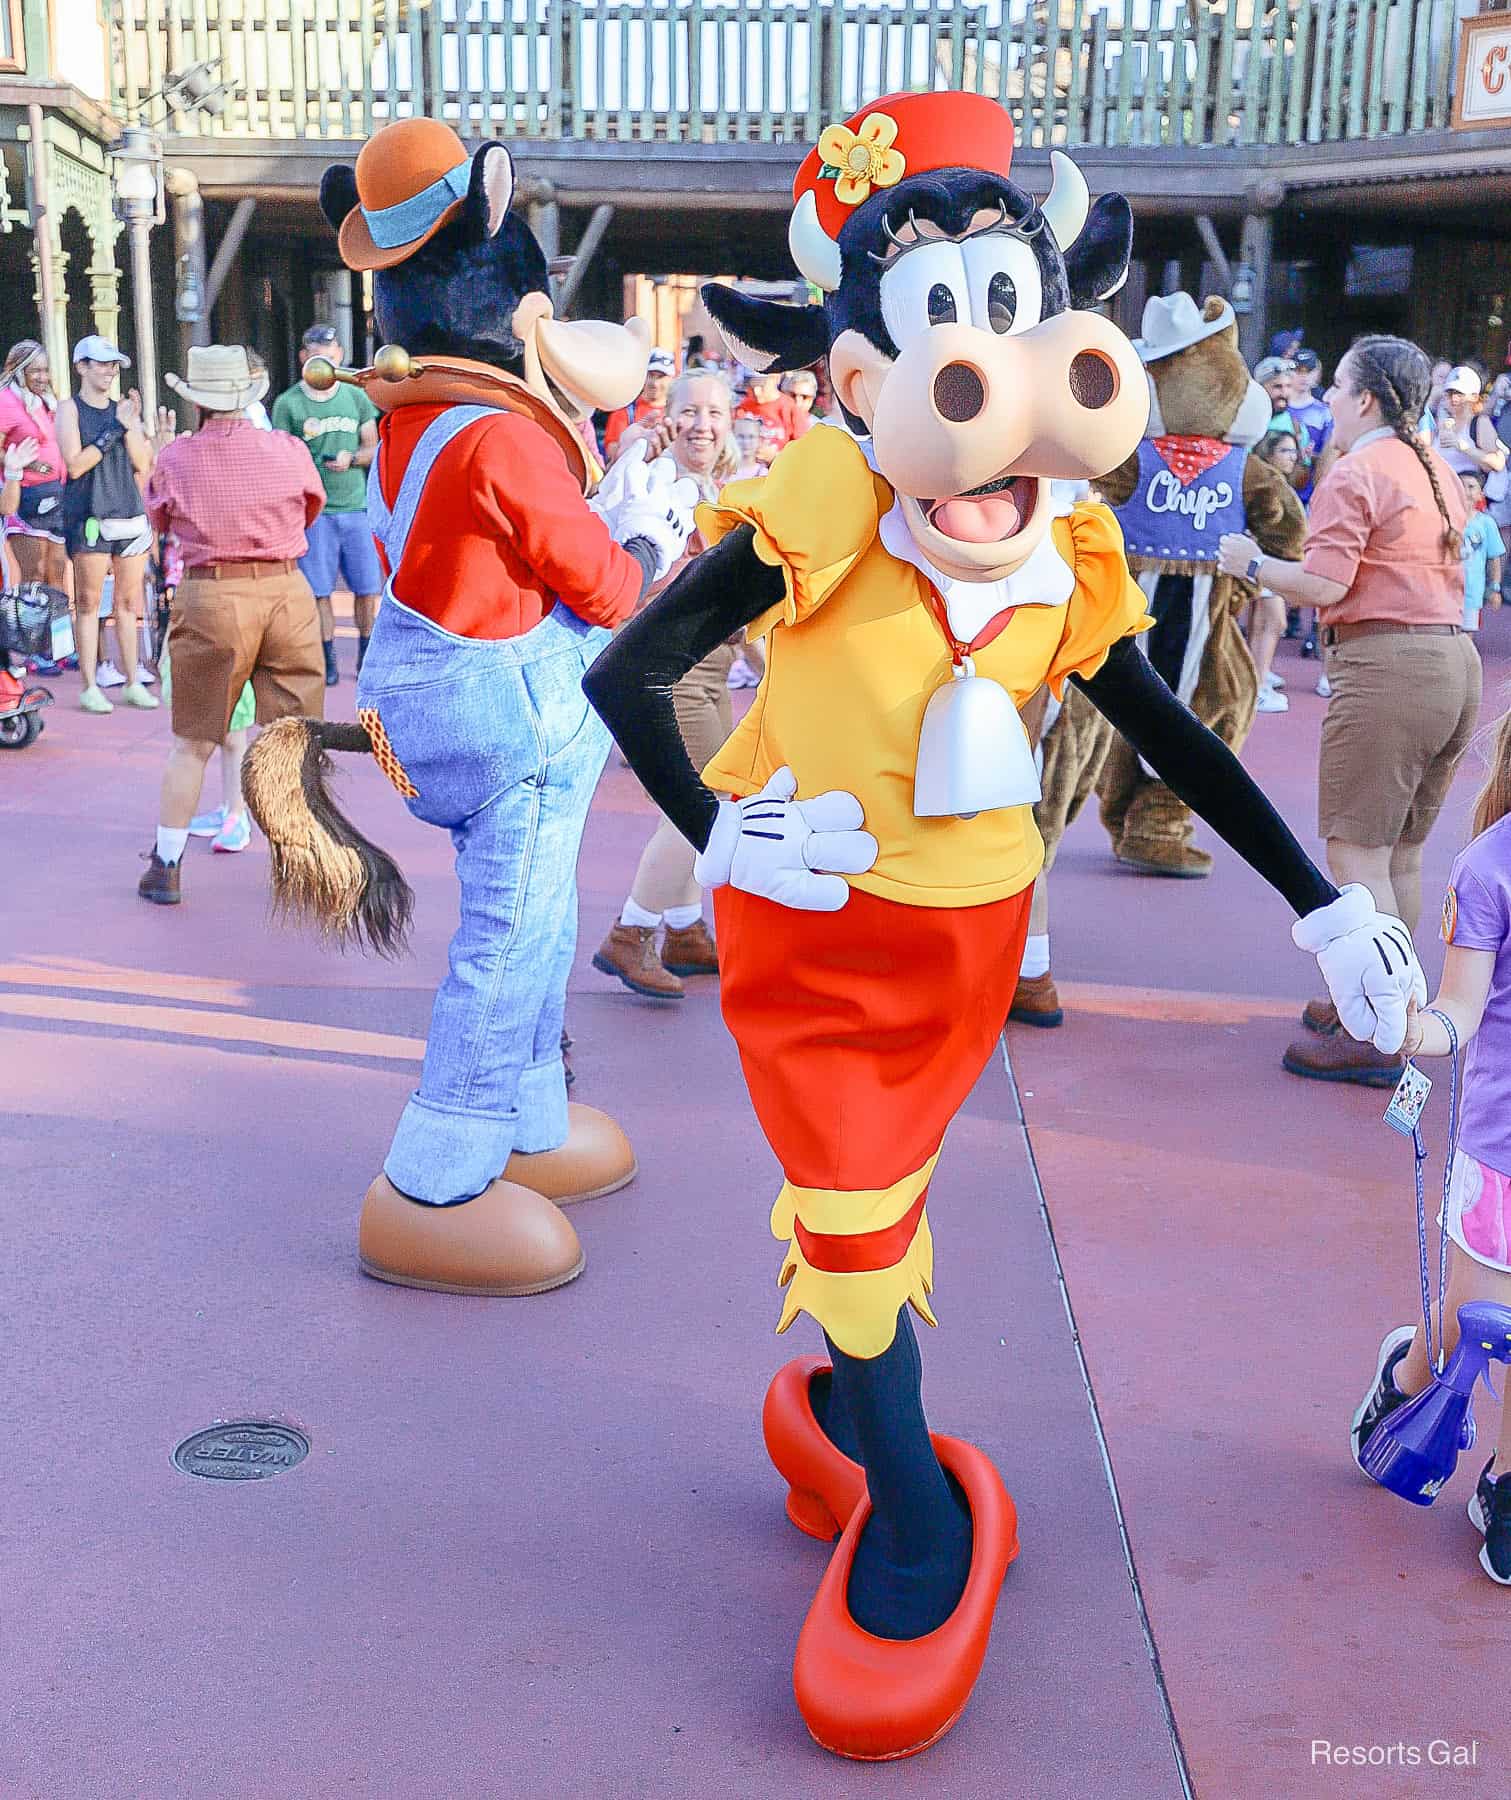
[(1271, 701), (145, 675), (1324, 687), (107, 675), (1273, 680)]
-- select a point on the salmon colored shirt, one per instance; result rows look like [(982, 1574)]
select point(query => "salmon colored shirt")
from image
[(854, 652), (502, 532), (1375, 528)]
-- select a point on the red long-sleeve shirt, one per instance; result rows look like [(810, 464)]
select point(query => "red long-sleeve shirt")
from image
[(502, 532)]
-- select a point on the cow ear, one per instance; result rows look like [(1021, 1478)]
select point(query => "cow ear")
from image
[(1096, 264), (338, 193), (489, 191), (765, 334)]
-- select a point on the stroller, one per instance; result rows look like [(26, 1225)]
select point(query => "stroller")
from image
[(26, 620)]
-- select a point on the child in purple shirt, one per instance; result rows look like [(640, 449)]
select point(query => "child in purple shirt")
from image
[(1475, 993)]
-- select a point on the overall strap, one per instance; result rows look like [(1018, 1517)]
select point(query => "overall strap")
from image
[(391, 525)]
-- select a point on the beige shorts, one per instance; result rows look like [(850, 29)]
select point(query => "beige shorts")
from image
[(1403, 710), (260, 628), (701, 702)]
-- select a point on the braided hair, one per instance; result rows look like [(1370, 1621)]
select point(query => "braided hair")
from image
[(1399, 376)]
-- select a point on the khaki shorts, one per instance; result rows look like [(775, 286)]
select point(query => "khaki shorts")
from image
[(260, 628), (1402, 713), (701, 702)]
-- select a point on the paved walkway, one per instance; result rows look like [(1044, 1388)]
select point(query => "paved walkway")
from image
[(536, 1548)]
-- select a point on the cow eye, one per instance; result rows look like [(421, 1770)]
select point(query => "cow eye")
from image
[(924, 287), (1007, 288), (1001, 301)]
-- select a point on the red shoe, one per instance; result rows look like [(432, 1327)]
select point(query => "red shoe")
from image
[(824, 1485), (876, 1699)]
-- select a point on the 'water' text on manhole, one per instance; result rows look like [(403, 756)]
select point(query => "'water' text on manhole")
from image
[(244, 1450)]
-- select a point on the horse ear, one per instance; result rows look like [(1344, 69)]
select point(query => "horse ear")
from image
[(490, 190), (338, 193), (766, 335), (1096, 264)]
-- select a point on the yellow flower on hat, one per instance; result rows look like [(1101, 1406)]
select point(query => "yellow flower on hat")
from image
[(862, 159)]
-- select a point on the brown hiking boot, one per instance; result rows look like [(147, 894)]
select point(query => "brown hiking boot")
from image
[(629, 951), (691, 951), (160, 882), (1321, 1016), (1036, 1001), (1342, 1058)]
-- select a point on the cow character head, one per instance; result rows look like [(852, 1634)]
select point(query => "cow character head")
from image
[(955, 322), (457, 273)]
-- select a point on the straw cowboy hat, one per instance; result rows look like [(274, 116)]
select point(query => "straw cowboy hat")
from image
[(1175, 322), (220, 379)]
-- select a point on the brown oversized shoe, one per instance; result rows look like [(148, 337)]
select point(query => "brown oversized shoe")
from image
[(1342, 1058), (1036, 1001), (509, 1240), (160, 882), (1321, 1016), (629, 952), (595, 1160), (691, 951), (1164, 856)]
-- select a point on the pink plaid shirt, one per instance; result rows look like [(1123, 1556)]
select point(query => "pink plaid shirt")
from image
[(232, 493)]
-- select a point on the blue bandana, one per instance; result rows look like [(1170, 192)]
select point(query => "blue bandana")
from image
[(410, 219)]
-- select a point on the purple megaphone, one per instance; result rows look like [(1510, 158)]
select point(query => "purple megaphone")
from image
[(1416, 1449)]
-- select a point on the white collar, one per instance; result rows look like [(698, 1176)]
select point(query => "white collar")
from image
[(1046, 579)]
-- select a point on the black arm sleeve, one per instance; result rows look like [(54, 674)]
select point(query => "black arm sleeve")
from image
[(630, 685), (1197, 766)]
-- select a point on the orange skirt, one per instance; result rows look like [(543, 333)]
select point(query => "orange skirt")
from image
[(861, 1033)]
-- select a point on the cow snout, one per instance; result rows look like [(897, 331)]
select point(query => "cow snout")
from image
[(960, 393)]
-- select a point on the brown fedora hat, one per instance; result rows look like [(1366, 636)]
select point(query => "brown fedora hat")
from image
[(412, 178)]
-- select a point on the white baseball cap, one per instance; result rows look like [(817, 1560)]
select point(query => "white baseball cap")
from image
[(1463, 381), (661, 362), (98, 349)]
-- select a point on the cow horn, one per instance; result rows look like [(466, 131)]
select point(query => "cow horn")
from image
[(813, 250), (1068, 200)]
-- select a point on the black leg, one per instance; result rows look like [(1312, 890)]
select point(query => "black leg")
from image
[(915, 1553)]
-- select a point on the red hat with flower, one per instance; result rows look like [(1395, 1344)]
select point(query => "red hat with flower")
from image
[(901, 134)]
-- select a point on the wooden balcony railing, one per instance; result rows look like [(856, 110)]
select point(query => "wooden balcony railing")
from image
[(1072, 72)]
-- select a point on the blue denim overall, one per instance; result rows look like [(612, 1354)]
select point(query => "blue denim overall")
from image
[(505, 752)]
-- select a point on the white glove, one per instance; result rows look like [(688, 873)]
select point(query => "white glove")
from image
[(648, 500), (1369, 964), (771, 845)]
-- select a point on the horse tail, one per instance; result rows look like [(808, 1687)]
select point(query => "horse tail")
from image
[(325, 873)]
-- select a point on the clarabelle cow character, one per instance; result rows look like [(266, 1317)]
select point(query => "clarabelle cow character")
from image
[(503, 583), (915, 582)]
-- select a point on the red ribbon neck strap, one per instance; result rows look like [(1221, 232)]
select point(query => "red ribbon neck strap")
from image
[(992, 630)]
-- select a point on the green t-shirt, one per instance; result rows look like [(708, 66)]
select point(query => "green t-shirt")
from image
[(326, 427)]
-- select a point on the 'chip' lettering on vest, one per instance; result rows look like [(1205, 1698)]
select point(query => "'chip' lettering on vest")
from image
[(1166, 495)]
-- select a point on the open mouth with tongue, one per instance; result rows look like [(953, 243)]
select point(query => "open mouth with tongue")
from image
[(989, 514)]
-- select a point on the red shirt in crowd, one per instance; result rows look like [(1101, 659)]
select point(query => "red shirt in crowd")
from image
[(232, 493), (501, 532), (19, 421), (778, 421), (622, 417)]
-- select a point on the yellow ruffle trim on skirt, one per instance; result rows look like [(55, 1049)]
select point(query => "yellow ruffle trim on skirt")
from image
[(857, 1309)]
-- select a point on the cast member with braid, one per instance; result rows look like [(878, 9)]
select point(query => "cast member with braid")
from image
[(1382, 567)]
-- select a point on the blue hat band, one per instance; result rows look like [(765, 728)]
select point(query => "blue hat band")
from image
[(412, 218)]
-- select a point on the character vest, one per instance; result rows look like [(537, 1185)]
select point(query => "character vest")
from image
[(1189, 492)]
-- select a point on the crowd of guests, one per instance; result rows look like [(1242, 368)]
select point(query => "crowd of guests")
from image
[(1467, 418)]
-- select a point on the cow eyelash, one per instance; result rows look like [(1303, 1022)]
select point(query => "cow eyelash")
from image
[(1029, 226)]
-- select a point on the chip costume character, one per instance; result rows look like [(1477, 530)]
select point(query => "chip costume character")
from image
[(503, 582), (915, 578)]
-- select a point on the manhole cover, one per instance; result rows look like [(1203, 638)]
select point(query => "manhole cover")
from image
[(244, 1450)]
